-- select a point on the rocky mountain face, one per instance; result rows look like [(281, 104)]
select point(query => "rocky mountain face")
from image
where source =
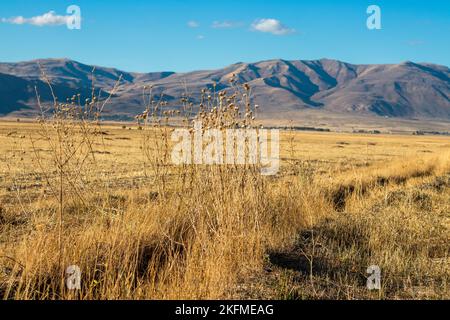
[(405, 90)]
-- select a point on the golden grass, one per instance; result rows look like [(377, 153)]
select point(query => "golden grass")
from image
[(341, 203)]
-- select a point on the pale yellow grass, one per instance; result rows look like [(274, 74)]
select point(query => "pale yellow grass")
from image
[(341, 202)]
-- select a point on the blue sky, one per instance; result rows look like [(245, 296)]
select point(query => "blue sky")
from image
[(175, 35)]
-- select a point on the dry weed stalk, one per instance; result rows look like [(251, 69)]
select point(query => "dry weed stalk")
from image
[(69, 130)]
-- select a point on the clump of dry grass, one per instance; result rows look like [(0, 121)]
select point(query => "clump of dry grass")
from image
[(183, 241)]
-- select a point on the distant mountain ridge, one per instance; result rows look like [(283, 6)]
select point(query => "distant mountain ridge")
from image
[(404, 90)]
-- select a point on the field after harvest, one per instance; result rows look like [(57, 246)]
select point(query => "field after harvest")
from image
[(101, 198)]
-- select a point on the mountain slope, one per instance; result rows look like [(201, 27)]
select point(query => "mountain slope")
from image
[(19, 95), (405, 90)]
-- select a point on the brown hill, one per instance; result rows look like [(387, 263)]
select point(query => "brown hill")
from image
[(405, 90)]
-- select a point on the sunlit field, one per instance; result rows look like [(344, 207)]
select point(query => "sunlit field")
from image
[(101, 197)]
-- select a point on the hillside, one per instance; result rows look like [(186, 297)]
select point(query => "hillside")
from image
[(405, 91)]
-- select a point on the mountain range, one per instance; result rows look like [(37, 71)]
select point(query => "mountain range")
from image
[(406, 90)]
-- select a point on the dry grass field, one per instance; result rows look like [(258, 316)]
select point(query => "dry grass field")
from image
[(139, 230)]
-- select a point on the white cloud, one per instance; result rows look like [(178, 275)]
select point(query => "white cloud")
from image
[(47, 19), (225, 24), (200, 37), (193, 24), (272, 26)]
